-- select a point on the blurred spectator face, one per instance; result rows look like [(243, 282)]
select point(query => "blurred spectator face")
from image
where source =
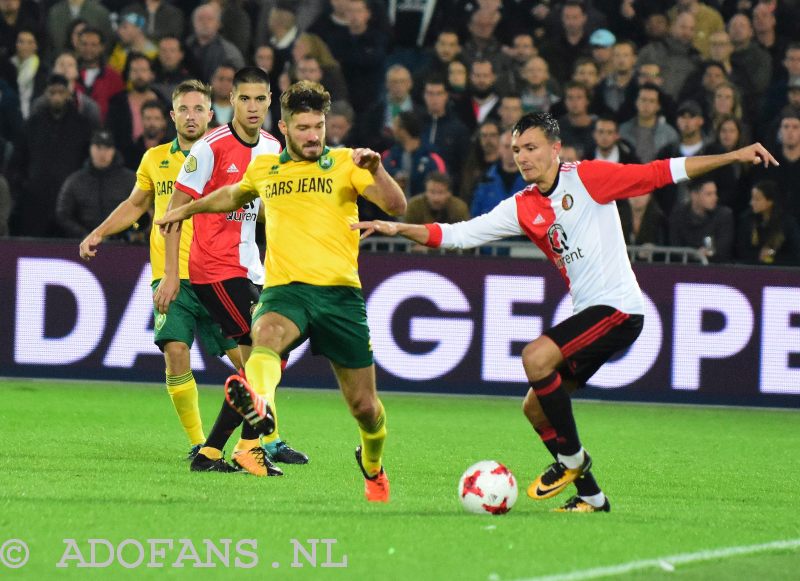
[(523, 49), (689, 125), (57, 97), (437, 194), (265, 58), (568, 154), (507, 160), (729, 135), (101, 155), (140, 74), (75, 36), (510, 111), (127, 32), (759, 202), (191, 113), (740, 30), (763, 18), (358, 16), (720, 46), (792, 62), (601, 55), (154, 123), (435, 96), (605, 134), (705, 198), (447, 46), (724, 101), (713, 77), (339, 7), (67, 65), (308, 69), (26, 45), (576, 101), (623, 58), (206, 22), (639, 202), (280, 20), (482, 78), (573, 19), (483, 22), (647, 104), (398, 83), (90, 48), (793, 97), (336, 128), (457, 75), (683, 28), (489, 138), (650, 73), (656, 26), (9, 7), (300, 49), (789, 133), (222, 83), (587, 74), (170, 54), (536, 71)]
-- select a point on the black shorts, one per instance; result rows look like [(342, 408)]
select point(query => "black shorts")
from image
[(590, 338), (231, 303)]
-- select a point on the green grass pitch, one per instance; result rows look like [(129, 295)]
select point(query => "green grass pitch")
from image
[(104, 461)]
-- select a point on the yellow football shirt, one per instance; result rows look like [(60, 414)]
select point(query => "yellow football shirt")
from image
[(157, 173), (309, 206)]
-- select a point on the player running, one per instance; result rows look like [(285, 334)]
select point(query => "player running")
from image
[(568, 211), (313, 289), (224, 262), (174, 331)]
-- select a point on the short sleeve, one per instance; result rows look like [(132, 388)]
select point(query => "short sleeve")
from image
[(144, 181), (196, 170)]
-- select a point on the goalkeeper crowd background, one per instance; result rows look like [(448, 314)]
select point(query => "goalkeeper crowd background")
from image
[(722, 335)]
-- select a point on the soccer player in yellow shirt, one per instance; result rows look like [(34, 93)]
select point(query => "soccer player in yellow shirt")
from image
[(175, 330), (313, 290)]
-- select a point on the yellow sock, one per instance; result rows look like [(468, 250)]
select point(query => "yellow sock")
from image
[(372, 439), (183, 391), (243, 445), (263, 371), (212, 453)]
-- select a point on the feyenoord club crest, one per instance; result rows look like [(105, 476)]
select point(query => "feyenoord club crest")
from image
[(567, 202)]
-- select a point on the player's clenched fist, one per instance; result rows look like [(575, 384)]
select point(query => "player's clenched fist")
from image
[(367, 159)]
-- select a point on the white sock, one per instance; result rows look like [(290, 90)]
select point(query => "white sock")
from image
[(596, 500), (572, 461)]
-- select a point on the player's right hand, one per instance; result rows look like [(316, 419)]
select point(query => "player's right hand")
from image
[(171, 221), (166, 292), (87, 248)]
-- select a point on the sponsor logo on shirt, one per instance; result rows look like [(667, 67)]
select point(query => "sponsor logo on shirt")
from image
[(557, 238), (232, 168), (164, 163)]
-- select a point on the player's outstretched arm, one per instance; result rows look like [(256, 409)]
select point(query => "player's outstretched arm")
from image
[(754, 154), (225, 199), (385, 193), (121, 218), (417, 232)]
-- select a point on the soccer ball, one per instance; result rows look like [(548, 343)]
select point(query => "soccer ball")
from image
[(487, 487)]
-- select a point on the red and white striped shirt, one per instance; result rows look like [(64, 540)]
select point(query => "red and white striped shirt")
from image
[(224, 245), (576, 225)]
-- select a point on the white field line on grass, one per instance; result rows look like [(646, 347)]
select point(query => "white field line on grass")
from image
[(669, 563)]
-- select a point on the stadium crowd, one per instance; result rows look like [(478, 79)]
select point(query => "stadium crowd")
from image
[(85, 90)]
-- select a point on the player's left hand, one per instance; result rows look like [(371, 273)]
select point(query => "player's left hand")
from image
[(756, 154), (367, 159), (375, 227), (166, 292), (171, 221)]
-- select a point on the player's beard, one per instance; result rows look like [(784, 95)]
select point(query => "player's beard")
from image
[(298, 151)]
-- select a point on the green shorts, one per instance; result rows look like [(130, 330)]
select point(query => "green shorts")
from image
[(186, 316), (333, 317)]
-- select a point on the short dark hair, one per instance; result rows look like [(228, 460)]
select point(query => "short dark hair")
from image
[(544, 121), (249, 75), (132, 57), (606, 118), (93, 30), (697, 185), (440, 178), (411, 122), (304, 97), (153, 104)]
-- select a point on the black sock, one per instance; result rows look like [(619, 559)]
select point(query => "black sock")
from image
[(227, 421), (557, 406), (249, 432)]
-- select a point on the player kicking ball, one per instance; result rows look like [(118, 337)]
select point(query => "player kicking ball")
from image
[(568, 211)]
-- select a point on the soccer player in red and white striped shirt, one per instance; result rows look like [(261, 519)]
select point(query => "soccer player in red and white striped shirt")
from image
[(568, 210)]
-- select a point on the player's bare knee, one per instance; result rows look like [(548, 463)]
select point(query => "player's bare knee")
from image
[(176, 356), (536, 362), (364, 409)]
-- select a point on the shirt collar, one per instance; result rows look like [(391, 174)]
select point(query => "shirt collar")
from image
[(285, 157)]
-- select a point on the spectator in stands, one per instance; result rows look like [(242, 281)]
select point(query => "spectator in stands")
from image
[(162, 19), (732, 180), (721, 49), (131, 37), (700, 88), (36, 172), (446, 50), (378, 122), (6, 205), (436, 203), (362, 55), (777, 95), (482, 45), (577, 123), (570, 42), (502, 180), (643, 221), (333, 26), (98, 80), (483, 97), (31, 71), (221, 88), (17, 15), (767, 36), (282, 25), (618, 85), (442, 130), (522, 49), (728, 103), (752, 64), (648, 132), (676, 54), (410, 160), (236, 25), (587, 73), (787, 174), (91, 193), (767, 234), (510, 111), (154, 132), (65, 11), (169, 67), (608, 144), (207, 48), (484, 151), (311, 45), (703, 224), (602, 42), (339, 125), (10, 121), (414, 26), (74, 35), (707, 21), (125, 108), (537, 93), (66, 64)]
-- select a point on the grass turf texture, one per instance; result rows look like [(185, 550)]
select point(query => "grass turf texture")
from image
[(105, 461)]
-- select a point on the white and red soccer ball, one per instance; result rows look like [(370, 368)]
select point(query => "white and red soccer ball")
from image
[(487, 487)]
